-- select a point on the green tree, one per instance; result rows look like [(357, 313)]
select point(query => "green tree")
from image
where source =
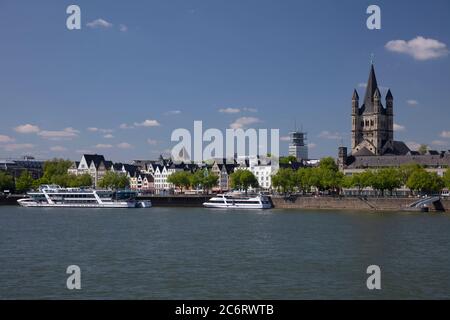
[(84, 180), (197, 179), (446, 179), (423, 149), (24, 182), (387, 179), (243, 179), (6, 182), (327, 175), (180, 179), (285, 180), (210, 180), (288, 160), (406, 170), (114, 180), (422, 181)]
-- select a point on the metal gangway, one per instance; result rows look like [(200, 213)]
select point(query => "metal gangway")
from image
[(424, 202)]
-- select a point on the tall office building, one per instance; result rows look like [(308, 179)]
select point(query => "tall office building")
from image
[(298, 147)]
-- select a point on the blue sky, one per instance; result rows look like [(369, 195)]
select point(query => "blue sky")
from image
[(159, 65)]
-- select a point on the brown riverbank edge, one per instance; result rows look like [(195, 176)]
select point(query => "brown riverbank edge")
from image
[(292, 202)]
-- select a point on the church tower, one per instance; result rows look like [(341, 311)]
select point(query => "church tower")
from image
[(372, 123)]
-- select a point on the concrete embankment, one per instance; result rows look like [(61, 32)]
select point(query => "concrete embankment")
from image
[(350, 203), (293, 202)]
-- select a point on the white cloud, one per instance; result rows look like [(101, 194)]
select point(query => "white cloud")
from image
[(412, 102), (124, 145), (123, 28), (244, 122), (84, 151), (27, 128), (108, 136), (229, 110), (99, 23), (419, 48), (250, 109), (172, 112), (67, 133), (93, 129), (312, 145), (103, 146), (285, 138), (330, 135), (440, 143), (147, 123), (5, 139), (18, 146), (125, 126), (445, 134), (152, 142), (58, 148), (399, 127)]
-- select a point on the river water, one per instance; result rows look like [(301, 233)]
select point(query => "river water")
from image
[(195, 253)]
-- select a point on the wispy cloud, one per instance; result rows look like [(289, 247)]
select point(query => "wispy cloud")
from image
[(99, 23), (125, 126), (285, 138), (108, 136), (6, 139), (94, 129), (330, 135), (18, 146), (124, 145), (58, 148), (244, 122), (123, 28), (152, 142), (440, 143), (312, 145), (412, 102), (229, 110), (103, 146), (419, 48), (27, 128), (237, 110), (399, 127), (65, 134), (172, 112), (147, 123)]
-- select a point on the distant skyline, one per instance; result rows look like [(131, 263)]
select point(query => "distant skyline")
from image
[(135, 72)]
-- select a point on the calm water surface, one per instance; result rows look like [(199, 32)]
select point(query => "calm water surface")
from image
[(193, 253)]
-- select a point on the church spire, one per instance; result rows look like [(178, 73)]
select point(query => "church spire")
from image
[(371, 87)]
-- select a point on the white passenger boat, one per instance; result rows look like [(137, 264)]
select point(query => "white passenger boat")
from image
[(55, 196), (232, 201)]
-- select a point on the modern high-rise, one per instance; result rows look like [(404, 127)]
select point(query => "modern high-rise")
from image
[(298, 147)]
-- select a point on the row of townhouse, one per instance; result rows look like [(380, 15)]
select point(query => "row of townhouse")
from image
[(96, 166), (151, 176)]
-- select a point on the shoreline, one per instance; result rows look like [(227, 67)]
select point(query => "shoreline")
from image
[(294, 202)]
